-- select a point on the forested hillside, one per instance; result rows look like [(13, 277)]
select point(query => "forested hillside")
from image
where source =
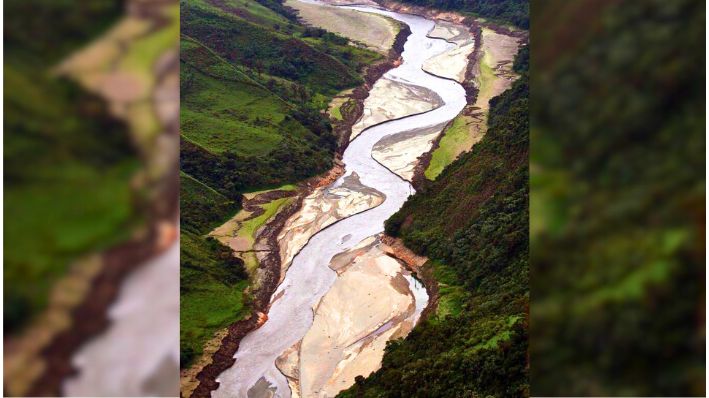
[(253, 85), (513, 12), (472, 222)]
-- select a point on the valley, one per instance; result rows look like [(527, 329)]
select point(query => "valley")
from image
[(327, 289)]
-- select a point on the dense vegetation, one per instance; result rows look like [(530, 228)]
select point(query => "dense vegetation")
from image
[(618, 199), (212, 283), (472, 223), (67, 165), (513, 12), (253, 85)]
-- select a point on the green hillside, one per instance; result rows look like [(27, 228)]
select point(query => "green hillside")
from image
[(472, 222), (253, 85), (212, 283)]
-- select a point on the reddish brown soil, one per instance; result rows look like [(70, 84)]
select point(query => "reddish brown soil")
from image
[(254, 205)]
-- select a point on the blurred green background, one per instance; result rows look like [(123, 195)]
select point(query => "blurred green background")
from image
[(617, 198), (67, 163)]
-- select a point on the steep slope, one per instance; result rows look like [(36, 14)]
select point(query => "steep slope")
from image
[(472, 223)]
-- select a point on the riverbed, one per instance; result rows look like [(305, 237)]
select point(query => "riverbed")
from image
[(290, 354)]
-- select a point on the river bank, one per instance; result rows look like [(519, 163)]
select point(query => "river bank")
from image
[(370, 303)]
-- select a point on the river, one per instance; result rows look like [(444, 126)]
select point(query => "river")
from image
[(309, 277)]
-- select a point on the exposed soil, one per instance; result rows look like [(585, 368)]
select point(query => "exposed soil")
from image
[(367, 30), (391, 100), (254, 205), (223, 359), (393, 150), (270, 264), (349, 334)]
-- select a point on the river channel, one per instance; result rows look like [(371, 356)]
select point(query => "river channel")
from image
[(309, 277)]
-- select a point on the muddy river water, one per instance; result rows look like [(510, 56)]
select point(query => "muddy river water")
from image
[(309, 277)]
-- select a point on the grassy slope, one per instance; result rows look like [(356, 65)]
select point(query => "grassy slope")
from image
[(207, 302), (457, 137), (252, 97), (211, 292), (472, 223), (248, 228), (202, 207), (253, 84), (243, 117), (67, 166)]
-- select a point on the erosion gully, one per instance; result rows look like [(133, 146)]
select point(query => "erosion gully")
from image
[(309, 277)]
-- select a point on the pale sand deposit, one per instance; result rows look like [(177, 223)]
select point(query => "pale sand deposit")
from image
[(390, 100), (400, 152), (453, 63), (373, 31), (321, 208), (227, 233), (369, 304)]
